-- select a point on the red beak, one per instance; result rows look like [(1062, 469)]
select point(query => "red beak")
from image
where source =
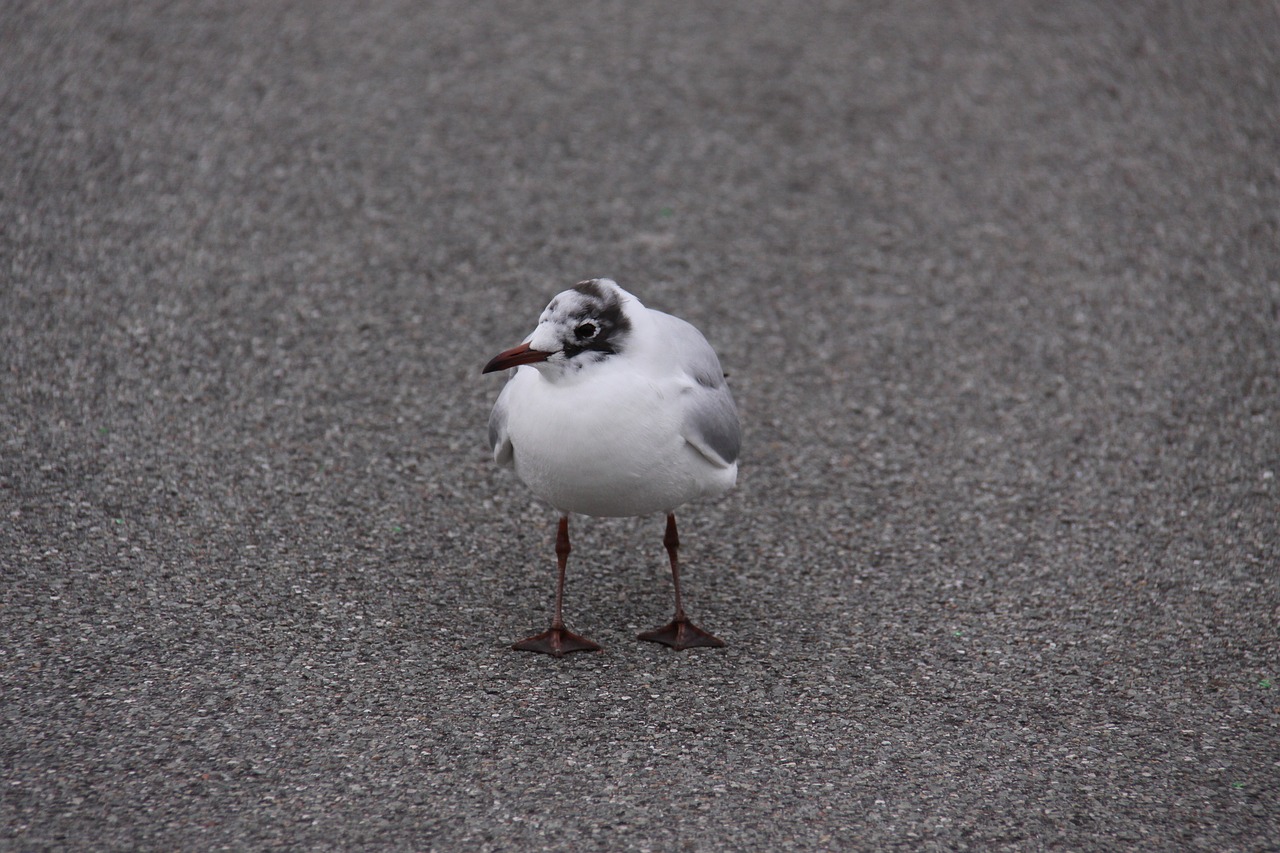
[(515, 357)]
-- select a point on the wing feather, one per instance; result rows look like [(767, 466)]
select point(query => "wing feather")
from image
[(710, 422), (499, 438)]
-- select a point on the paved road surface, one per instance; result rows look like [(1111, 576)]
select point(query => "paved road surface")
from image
[(998, 287)]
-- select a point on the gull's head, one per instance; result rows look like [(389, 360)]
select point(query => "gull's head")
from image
[(584, 325)]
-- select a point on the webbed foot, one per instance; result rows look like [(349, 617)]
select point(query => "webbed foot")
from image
[(681, 634), (558, 641)]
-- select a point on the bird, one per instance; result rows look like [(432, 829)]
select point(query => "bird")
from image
[(613, 409)]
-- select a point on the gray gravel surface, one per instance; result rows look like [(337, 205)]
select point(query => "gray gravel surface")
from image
[(998, 287)]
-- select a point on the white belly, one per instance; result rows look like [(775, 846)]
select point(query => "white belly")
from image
[(611, 447)]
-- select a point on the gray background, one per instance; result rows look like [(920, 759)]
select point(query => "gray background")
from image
[(998, 287)]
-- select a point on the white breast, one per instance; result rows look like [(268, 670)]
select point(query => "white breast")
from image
[(607, 445)]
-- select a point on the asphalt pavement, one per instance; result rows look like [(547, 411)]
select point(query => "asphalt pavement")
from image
[(997, 287)]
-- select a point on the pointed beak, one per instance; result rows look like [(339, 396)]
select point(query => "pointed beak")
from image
[(515, 357)]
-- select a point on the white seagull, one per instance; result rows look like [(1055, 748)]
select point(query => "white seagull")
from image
[(615, 409)]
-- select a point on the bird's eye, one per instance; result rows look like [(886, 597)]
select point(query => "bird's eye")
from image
[(585, 331)]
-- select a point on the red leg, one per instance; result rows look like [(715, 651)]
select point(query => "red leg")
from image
[(558, 640), (679, 633)]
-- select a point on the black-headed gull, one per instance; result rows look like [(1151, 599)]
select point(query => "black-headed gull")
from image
[(615, 410)]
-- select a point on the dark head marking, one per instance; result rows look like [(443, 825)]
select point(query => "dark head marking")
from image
[(591, 289), (598, 324)]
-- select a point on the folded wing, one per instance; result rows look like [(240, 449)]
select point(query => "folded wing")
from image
[(499, 439), (710, 422)]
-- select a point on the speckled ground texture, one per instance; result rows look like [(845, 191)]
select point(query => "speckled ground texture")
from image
[(998, 290)]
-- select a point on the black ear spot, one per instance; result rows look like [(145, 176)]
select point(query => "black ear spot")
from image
[(585, 331)]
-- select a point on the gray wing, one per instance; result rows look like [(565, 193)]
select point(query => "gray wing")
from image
[(710, 416), (499, 440), (711, 424)]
